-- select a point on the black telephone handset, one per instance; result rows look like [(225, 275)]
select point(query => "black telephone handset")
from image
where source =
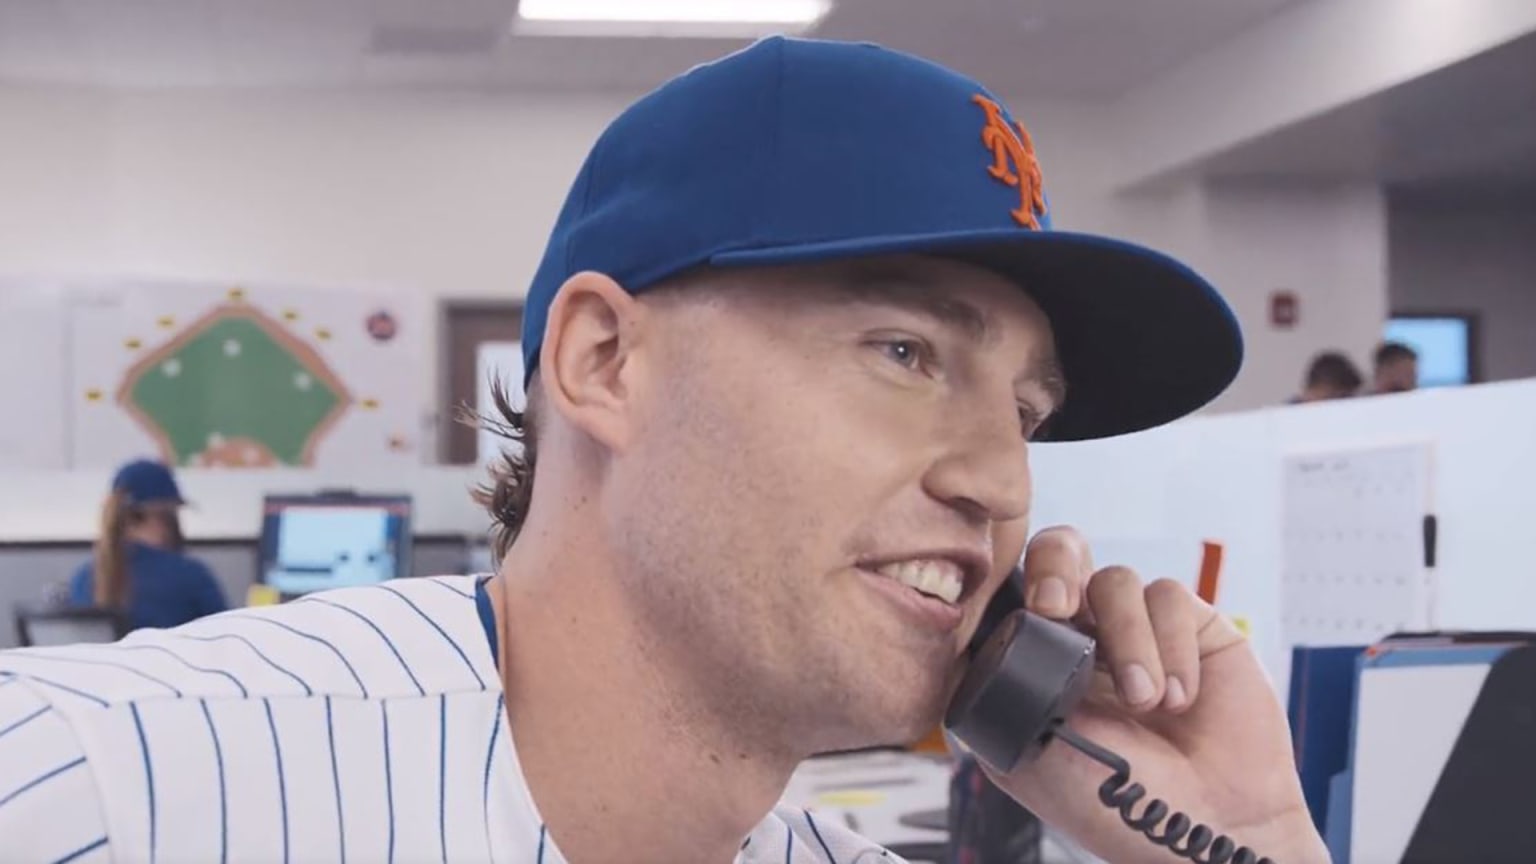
[(1027, 674)]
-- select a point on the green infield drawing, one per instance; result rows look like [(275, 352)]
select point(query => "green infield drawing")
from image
[(235, 388)]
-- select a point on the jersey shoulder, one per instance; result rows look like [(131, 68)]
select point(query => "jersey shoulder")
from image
[(796, 835), (247, 729), (50, 808)]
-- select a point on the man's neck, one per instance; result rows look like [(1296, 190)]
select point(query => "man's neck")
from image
[(618, 756)]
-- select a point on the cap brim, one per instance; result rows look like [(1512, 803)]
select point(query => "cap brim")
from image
[(1143, 339)]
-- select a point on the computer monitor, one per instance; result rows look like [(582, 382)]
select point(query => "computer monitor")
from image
[(335, 540), (68, 626), (1446, 345)]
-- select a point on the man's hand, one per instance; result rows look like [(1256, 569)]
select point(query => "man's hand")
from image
[(1180, 695)]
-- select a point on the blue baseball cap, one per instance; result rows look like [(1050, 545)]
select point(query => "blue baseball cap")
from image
[(145, 481), (794, 151)]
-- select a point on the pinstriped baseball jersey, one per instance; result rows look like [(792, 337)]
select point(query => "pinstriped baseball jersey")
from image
[(364, 724)]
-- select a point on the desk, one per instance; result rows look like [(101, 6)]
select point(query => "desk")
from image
[(34, 573), (889, 796), (899, 800)]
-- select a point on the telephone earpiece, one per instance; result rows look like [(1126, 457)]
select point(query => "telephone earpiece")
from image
[(1026, 675)]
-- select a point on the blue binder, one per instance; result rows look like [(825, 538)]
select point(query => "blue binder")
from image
[(1322, 703)]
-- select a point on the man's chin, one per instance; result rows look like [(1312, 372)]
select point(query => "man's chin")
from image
[(911, 726), (929, 707), (900, 705), (890, 723)]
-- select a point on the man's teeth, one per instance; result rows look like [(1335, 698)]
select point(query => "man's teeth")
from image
[(936, 578)]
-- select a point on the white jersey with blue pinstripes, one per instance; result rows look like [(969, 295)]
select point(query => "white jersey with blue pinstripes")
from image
[(362, 725)]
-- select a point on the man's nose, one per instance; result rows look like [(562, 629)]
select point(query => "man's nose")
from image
[(984, 472)]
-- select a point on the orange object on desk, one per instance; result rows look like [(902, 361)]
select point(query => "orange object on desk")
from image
[(933, 742)]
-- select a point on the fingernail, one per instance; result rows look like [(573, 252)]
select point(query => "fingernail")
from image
[(1175, 696), (1051, 595), (1136, 685)]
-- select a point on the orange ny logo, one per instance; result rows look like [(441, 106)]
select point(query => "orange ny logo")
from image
[(1013, 161)]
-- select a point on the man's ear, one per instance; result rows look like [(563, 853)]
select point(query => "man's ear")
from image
[(586, 359)]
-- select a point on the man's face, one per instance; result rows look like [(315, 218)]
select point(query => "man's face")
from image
[(1398, 375), (806, 439), (1333, 390)]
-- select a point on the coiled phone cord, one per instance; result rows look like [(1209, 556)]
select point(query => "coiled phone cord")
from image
[(1118, 793)]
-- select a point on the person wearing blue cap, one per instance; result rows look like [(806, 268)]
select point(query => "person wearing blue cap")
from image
[(798, 325), (138, 567)]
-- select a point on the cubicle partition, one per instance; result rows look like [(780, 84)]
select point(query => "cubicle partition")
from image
[(1152, 500), (36, 573), (48, 520)]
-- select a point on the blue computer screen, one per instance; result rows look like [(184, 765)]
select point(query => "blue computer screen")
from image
[(1443, 346), (314, 543)]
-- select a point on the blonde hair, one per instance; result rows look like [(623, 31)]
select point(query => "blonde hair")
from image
[(110, 589)]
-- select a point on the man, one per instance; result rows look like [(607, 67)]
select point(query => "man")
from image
[(1397, 369), (796, 324), (1331, 375)]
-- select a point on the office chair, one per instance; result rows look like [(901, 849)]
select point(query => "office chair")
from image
[(68, 626)]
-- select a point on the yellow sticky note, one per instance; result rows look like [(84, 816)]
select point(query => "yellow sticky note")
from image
[(262, 595), (850, 798)]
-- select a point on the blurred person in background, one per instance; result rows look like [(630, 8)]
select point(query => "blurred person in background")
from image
[(1397, 369), (138, 568), (1331, 375)]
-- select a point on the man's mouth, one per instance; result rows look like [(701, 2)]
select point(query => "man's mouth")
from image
[(930, 586), (939, 578)]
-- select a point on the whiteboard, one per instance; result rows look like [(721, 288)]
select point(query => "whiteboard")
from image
[(1353, 544), (351, 396)]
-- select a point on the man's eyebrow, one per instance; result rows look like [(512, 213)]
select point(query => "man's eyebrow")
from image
[(879, 285), (915, 295)]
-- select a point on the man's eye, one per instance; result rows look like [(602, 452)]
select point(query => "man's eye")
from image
[(1031, 423), (907, 352)]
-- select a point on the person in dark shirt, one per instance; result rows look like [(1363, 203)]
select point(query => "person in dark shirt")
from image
[(138, 567), (1396, 369)]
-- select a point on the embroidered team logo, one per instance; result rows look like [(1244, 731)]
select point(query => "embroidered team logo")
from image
[(1013, 161)]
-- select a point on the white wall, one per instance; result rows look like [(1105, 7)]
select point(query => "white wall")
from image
[(1477, 254), (55, 168), (1325, 244), (452, 195)]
